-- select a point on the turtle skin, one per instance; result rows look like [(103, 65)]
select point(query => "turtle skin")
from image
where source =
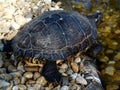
[(53, 36)]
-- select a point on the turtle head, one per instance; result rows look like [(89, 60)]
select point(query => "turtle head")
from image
[(97, 17)]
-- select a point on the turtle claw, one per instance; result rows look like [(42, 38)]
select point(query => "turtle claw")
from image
[(51, 73)]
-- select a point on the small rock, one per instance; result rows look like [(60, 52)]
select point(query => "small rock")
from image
[(41, 80), (110, 70), (78, 60), (117, 56), (23, 80), (74, 67), (1, 63), (74, 75), (36, 75), (14, 25), (30, 88), (64, 88), (2, 70), (31, 69), (64, 66), (15, 87), (28, 75), (62, 70), (16, 74), (16, 81), (6, 76), (20, 20), (37, 86), (69, 72), (112, 87), (12, 68), (47, 2), (81, 80), (22, 87), (30, 82), (65, 81), (4, 83)]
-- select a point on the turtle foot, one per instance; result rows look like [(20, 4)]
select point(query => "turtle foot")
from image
[(51, 73)]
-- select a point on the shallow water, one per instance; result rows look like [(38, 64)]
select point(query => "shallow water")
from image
[(109, 35)]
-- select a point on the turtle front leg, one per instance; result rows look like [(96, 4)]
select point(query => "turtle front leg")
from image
[(51, 73), (94, 50)]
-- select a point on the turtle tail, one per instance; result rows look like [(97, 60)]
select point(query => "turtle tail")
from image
[(6, 46)]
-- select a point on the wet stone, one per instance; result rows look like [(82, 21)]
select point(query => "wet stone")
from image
[(81, 80), (110, 70), (74, 67), (64, 88), (28, 75), (4, 83), (41, 80)]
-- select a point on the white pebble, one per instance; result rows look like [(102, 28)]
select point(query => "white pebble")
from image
[(78, 60), (74, 75), (64, 88), (81, 80)]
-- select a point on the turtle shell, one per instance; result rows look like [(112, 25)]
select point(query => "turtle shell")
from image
[(55, 35)]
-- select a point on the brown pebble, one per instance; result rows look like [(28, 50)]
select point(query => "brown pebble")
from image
[(28, 75), (36, 75), (30, 82), (31, 69), (74, 67)]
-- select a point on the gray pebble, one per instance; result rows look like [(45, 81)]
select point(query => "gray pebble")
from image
[(81, 80), (4, 83), (64, 88)]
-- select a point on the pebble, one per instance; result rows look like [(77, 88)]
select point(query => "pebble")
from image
[(16, 81), (23, 80), (37, 86), (4, 83), (74, 67), (110, 70), (2, 70), (117, 56), (81, 80), (20, 20), (64, 88), (65, 81), (74, 75), (36, 75), (69, 72), (41, 80), (1, 62), (12, 68), (28, 75), (62, 70), (64, 66), (78, 60)]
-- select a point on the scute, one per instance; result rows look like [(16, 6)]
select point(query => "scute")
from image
[(55, 35)]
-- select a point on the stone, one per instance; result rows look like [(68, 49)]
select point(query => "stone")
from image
[(110, 70), (1, 61), (12, 68), (4, 83), (74, 67), (64, 66), (64, 88), (117, 56), (41, 80), (81, 80), (74, 75), (36, 75), (78, 60), (28, 75)]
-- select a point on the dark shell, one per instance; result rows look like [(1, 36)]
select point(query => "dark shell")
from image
[(55, 35)]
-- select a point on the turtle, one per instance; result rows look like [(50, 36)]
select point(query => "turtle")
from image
[(56, 35)]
